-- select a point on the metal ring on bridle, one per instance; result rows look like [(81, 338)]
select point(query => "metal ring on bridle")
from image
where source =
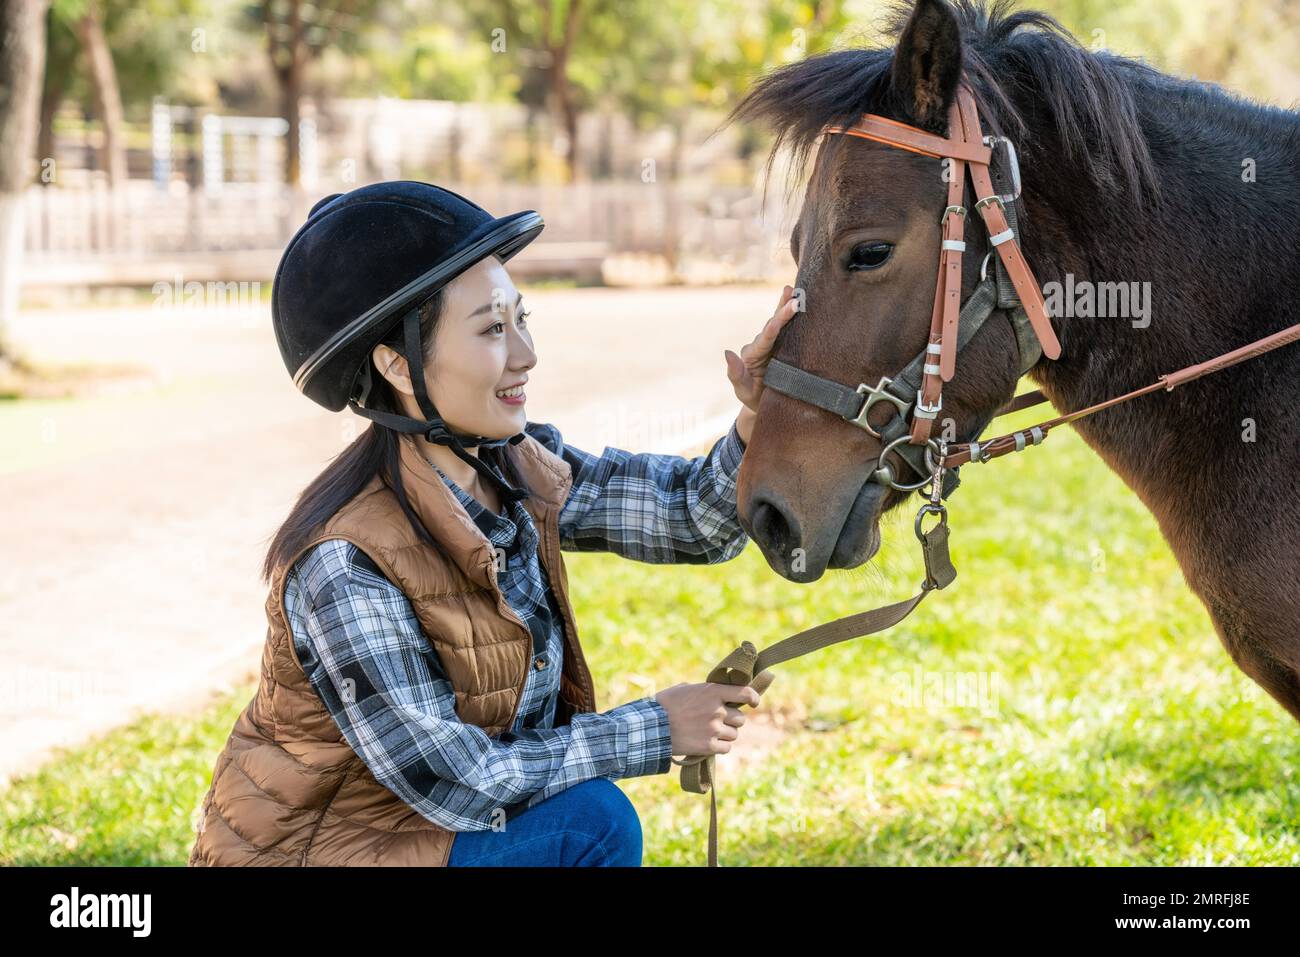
[(882, 467), (928, 509)]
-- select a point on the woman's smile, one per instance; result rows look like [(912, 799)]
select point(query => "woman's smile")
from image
[(513, 396)]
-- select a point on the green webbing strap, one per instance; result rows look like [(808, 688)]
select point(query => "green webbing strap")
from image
[(748, 666), (1008, 299)]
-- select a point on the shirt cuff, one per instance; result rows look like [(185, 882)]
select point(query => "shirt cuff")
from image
[(649, 741), (730, 450)]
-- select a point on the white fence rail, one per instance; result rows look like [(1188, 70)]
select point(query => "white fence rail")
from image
[(90, 224)]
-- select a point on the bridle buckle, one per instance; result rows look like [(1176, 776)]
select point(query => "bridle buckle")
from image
[(875, 395), (1013, 164), (923, 411)]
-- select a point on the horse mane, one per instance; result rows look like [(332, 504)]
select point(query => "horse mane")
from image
[(1086, 97)]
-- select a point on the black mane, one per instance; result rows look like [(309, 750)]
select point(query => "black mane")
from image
[(1010, 56)]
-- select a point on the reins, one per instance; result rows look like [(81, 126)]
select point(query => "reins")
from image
[(953, 324), (1019, 440)]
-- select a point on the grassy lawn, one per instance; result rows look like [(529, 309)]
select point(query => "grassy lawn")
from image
[(1065, 701)]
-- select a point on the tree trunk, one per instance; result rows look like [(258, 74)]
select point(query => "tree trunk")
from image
[(108, 99), (51, 100), (564, 114), (571, 131), (288, 58), (564, 108), (530, 134), (22, 67), (292, 109), (605, 157)]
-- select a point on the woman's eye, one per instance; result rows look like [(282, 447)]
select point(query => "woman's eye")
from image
[(518, 321), (869, 255)]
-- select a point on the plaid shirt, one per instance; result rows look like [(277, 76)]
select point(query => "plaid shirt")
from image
[(349, 622)]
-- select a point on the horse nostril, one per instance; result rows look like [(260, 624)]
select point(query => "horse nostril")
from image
[(773, 530)]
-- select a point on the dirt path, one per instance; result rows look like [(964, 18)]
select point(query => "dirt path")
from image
[(134, 523)]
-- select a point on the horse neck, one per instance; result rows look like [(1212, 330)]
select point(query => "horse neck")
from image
[(1219, 256)]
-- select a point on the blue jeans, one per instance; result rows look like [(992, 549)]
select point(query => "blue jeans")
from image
[(592, 824)]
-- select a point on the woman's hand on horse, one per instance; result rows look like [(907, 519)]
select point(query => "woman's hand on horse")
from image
[(746, 370), (705, 718)]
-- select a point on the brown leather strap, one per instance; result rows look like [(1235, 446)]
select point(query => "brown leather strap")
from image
[(947, 295), (1257, 348), (963, 129), (1031, 297), (892, 133), (1023, 438), (1025, 401)]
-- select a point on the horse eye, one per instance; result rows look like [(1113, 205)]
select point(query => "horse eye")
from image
[(869, 255)]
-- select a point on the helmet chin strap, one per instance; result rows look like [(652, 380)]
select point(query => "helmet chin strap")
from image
[(435, 429)]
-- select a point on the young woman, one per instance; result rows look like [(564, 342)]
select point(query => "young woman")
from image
[(424, 699)]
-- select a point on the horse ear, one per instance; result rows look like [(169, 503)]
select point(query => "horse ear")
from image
[(928, 63)]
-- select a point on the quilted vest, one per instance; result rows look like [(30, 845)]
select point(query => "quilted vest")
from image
[(287, 789)]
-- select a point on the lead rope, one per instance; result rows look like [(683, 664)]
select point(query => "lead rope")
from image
[(748, 666)]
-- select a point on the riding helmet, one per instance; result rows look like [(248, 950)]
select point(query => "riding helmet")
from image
[(365, 261)]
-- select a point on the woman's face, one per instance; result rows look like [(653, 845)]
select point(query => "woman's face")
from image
[(482, 346)]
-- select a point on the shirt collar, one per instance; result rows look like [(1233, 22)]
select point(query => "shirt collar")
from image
[(501, 530), (546, 475)]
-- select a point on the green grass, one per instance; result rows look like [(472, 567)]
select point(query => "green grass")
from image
[(1115, 730)]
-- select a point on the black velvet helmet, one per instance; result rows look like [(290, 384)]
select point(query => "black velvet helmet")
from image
[(366, 260)]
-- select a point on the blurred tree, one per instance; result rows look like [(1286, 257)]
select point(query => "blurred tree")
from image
[(653, 60), (541, 38), (22, 63), (88, 21), (61, 47), (736, 41), (114, 56), (297, 31), (707, 55), (1249, 48), (433, 54)]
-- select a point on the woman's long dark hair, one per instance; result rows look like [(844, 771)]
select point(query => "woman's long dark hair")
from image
[(374, 452)]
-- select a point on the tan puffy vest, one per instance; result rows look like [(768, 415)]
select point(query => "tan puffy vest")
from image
[(287, 789)]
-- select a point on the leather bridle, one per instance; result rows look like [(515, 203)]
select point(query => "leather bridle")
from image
[(918, 387)]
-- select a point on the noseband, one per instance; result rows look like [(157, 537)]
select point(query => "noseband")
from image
[(918, 388)]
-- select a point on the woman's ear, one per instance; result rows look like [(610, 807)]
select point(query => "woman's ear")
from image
[(392, 366), (928, 63)]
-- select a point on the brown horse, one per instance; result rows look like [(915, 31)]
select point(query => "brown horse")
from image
[(1129, 176)]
